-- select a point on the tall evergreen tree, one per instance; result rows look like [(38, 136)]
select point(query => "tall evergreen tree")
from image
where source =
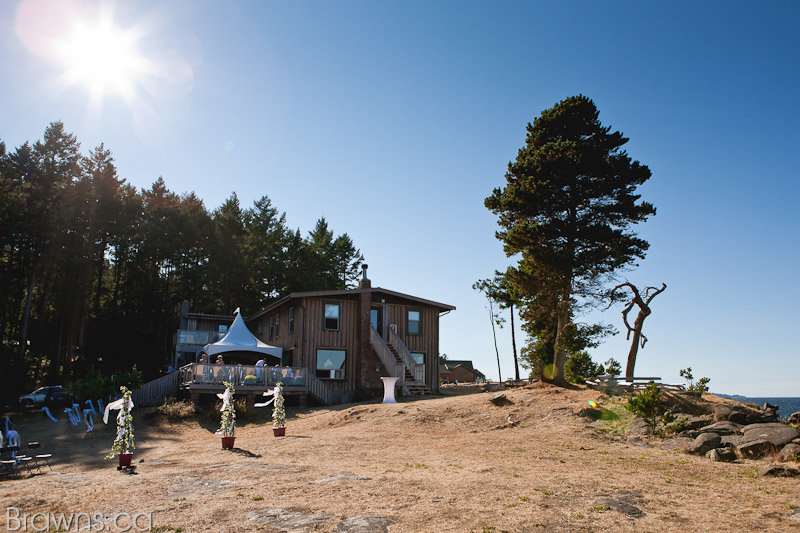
[(567, 210)]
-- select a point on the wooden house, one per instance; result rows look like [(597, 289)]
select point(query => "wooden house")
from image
[(462, 371), (349, 339)]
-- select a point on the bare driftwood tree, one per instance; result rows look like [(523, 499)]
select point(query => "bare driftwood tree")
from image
[(643, 302)]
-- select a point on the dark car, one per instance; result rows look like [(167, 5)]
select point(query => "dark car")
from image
[(55, 395)]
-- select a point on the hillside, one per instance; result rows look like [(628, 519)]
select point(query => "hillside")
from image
[(450, 463)]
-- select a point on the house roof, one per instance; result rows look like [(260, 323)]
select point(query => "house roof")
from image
[(348, 292), (239, 339), (450, 364)]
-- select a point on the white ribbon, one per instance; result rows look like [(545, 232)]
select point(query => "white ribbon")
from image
[(116, 405), (46, 411), (226, 399), (273, 393), (87, 417)]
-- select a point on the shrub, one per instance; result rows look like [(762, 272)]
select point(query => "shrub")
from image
[(177, 410), (579, 367), (646, 404), (702, 384), (613, 368)]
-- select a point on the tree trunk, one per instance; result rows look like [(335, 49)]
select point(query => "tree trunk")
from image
[(560, 359), (514, 343), (491, 317), (23, 338), (637, 331)]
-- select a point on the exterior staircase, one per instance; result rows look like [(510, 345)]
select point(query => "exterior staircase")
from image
[(415, 388)]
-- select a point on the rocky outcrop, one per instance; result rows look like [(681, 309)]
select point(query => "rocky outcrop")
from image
[(778, 471), (790, 452), (794, 419), (776, 433), (722, 428)]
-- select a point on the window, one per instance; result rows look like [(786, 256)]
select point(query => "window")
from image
[(419, 357), (271, 327), (414, 322), (277, 325), (223, 329), (291, 319), (332, 312), (330, 364)]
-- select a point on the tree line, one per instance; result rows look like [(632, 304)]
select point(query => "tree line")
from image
[(93, 270)]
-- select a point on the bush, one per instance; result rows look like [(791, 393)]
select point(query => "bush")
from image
[(92, 386), (613, 368), (646, 405), (579, 367), (177, 410), (702, 384)]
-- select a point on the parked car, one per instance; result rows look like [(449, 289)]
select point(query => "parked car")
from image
[(53, 395)]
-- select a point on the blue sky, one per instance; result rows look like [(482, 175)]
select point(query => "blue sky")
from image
[(395, 120)]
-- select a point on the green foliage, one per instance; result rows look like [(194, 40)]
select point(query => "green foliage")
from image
[(227, 426), (701, 386), (124, 442), (646, 404), (566, 212), (132, 379), (92, 386), (580, 367), (613, 368), (278, 411)]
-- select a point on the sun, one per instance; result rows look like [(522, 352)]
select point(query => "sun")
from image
[(102, 57)]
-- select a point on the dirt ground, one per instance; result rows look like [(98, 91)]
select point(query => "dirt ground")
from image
[(453, 462)]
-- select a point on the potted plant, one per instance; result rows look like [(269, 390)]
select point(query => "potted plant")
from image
[(278, 412), (228, 419), (124, 442)]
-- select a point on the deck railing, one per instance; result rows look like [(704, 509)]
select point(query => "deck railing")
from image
[(243, 376)]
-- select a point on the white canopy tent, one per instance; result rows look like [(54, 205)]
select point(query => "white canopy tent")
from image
[(239, 339)]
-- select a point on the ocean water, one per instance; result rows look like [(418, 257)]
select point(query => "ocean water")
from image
[(786, 405)]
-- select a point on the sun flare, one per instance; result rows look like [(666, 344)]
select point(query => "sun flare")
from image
[(103, 58)]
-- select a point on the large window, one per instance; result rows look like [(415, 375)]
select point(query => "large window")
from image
[(333, 312), (291, 319), (419, 357), (414, 322), (330, 364)]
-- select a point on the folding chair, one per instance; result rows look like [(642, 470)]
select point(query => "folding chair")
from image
[(42, 457), (8, 468), (24, 460)]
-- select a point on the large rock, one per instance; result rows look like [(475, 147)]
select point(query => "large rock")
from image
[(722, 428), (794, 418), (722, 454), (697, 422), (722, 412), (790, 452), (731, 440), (638, 428), (704, 443), (778, 471), (756, 448), (776, 433)]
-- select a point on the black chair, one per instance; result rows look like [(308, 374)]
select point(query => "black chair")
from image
[(42, 457)]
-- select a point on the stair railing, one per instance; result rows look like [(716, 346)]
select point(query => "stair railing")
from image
[(416, 370), (394, 368), (319, 388)]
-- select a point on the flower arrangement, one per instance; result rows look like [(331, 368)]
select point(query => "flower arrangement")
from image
[(278, 412), (124, 443), (228, 421)]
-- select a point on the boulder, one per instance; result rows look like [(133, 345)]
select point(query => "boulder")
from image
[(722, 454), (738, 417), (638, 428), (794, 418), (722, 412), (756, 448), (778, 471), (704, 443), (794, 514), (790, 452), (731, 440), (500, 400), (776, 433), (722, 428), (697, 422)]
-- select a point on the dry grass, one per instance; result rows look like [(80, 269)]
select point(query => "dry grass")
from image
[(450, 463)]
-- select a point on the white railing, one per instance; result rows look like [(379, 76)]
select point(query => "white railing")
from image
[(394, 368), (416, 370)]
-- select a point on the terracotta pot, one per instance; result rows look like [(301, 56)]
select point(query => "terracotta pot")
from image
[(227, 442), (125, 459), (279, 432)]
